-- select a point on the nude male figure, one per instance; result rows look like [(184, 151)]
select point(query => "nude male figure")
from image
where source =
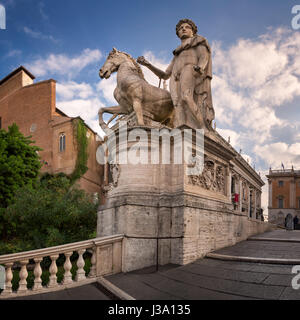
[(190, 68)]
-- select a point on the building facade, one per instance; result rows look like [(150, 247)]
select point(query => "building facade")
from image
[(284, 195), (32, 106)]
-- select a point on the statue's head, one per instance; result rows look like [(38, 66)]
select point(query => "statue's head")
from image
[(186, 21)]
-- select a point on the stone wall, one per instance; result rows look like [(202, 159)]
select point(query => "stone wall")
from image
[(168, 216), (187, 226)]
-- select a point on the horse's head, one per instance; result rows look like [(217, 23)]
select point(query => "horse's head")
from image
[(111, 64)]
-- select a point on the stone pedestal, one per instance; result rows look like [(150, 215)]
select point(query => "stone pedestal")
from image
[(168, 216)]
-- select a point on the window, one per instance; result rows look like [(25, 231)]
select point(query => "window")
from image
[(280, 183), (299, 203), (280, 203), (232, 185), (62, 142), (0, 123), (33, 127)]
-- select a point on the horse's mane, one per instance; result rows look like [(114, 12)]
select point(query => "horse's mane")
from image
[(139, 69)]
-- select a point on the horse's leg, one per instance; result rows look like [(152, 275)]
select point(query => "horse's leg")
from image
[(137, 97), (112, 110), (137, 106)]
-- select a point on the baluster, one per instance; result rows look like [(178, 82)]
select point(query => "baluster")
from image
[(37, 274), (80, 275), (67, 266), (53, 272), (93, 262), (23, 276), (8, 279)]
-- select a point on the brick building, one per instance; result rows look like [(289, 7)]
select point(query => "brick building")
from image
[(32, 106), (284, 195)]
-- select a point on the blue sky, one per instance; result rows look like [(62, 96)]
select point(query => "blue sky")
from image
[(256, 60)]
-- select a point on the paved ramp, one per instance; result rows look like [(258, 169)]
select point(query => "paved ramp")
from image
[(224, 279), (278, 247)]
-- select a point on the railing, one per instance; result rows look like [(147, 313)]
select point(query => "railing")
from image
[(281, 171), (106, 258)]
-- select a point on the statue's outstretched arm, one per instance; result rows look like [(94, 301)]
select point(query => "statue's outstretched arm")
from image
[(165, 75)]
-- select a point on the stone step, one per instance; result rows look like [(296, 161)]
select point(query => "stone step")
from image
[(226, 257), (273, 239)]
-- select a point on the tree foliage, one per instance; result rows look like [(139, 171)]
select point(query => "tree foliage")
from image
[(54, 212), (19, 163)]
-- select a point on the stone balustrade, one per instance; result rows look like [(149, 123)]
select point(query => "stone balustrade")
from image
[(106, 258)]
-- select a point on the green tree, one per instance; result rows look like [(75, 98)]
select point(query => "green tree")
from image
[(54, 212), (19, 163)]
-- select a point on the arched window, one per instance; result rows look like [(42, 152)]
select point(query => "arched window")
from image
[(62, 142)]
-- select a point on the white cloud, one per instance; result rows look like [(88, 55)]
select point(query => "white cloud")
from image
[(258, 122), (107, 87), (247, 158), (13, 53), (159, 63), (87, 109), (252, 77), (253, 80), (71, 90), (61, 64), (80, 99), (234, 136), (42, 11), (39, 35), (276, 153)]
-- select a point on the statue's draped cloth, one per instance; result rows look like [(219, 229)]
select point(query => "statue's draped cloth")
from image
[(202, 93)]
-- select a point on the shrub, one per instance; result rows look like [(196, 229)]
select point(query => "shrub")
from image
[(54, 212)]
